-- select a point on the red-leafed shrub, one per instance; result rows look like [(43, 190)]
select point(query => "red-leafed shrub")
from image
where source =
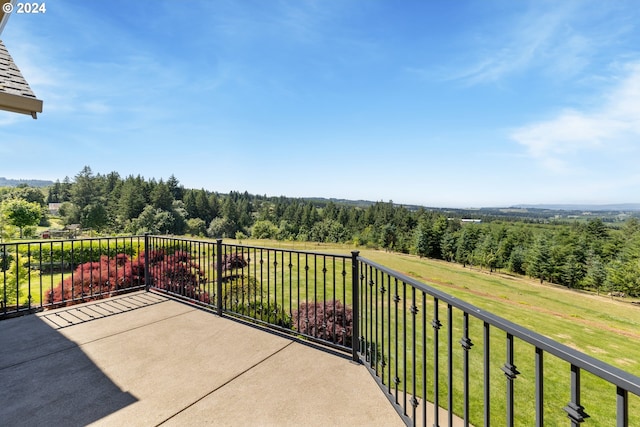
[(176, 273), (95, 280), (329, 320), (233, 261)]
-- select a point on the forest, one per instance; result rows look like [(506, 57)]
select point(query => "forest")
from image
[(592, 253)]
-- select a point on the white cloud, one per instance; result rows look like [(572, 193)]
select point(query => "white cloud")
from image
[(612, 127), (7, 118), (549, 37)]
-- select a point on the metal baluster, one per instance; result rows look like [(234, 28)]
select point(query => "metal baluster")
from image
[(466, 344), (622, 407), (487, 377), (511, 373), (380, 357), (450, 363), (404, 349), (574, 410), (424, 358), (539, 368), (436, 324), (396, 300), (355, 327), (389, 334), (414, 312), (374, 338)]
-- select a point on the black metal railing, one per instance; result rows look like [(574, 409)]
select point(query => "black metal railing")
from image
[(53, 273), (426, 349), (308, 293), (424, 345)]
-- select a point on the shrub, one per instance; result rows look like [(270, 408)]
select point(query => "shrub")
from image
[(233, 261), (60, 256), (96, 280), (265, 311), (176, 273), (244, 295), (329, 320), (240, 289), (17, 275)]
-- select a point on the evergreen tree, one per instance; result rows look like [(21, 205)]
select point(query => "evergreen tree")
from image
[(94, 216), (65, 190), (424, 239), (448, 245), (177, 191), (132, 201), (467, 243), (84, 191), (161, 197), (516, 262), (189, 201), (538, 264), (203, 207), (54, 195), (596, 273)]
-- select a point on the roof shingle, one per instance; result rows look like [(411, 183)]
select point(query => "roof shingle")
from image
[(15, 93)]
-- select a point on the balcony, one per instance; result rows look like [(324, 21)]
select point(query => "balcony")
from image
[(182, 332), (145, 359)]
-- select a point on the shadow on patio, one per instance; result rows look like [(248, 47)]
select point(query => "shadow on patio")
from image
[(144, 359)]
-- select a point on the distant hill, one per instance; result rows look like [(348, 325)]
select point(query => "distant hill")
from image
[(515, 210), (619, 207), (4, 182), (321, 201)]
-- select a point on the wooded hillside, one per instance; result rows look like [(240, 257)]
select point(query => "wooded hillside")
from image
[(588, 252)]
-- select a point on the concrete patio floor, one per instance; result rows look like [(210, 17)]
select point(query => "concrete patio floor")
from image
[(146, 360)]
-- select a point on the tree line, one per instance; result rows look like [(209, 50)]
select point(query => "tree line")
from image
[(580, 254)]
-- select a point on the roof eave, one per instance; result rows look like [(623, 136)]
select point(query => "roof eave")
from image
[(20, 104), (4, 17)]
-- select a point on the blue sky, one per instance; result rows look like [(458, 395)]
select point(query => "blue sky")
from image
[(439, 103)]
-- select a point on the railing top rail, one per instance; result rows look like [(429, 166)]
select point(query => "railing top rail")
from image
[(256, 247), (79, 239), (614, 375), (289, 250)]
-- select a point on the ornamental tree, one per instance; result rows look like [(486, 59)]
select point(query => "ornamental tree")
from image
[(21, 213)]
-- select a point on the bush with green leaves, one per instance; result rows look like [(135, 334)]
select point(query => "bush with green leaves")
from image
[(60, 256), (244, 295), (16, 277), (265, 311)]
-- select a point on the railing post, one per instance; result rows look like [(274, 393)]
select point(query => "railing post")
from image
[(355, 297), (147, 248), (219, 276)]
